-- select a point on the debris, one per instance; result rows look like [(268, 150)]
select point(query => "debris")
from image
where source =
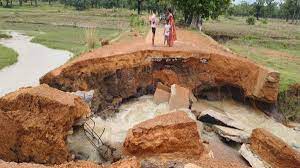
[(162, 93), (252, 158), (213, 117), (126, 163), (87, 96), (104, 42), (232, 134), (179, 98), (273, 150), (190, 165), (168, 133)]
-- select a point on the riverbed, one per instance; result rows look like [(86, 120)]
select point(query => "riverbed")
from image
[(34, 61)]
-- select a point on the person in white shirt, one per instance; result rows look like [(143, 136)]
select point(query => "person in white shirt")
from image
[(167, 30), (153, 23)]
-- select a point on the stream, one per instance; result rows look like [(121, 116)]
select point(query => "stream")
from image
[(34, 61)]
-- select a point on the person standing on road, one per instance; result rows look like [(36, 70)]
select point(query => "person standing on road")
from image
[(172, 36), (153, 22)]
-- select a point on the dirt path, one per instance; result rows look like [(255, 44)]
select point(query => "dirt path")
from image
[(34, 61)]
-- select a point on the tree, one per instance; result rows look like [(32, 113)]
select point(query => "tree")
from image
[(196, 10), (291, 10), (259, 4)]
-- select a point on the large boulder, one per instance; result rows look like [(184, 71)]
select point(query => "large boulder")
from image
[(169, 133), (34, 124), (273, 150)]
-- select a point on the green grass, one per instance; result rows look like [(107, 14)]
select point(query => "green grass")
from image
[(62, 27), (7, 56), (255, 42)]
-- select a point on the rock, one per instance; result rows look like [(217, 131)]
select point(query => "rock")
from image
[(78, 164), (190, 165), (232, 134), (104, 42), (179, 98), (254, 160), (213, 117), (126, 163), (162, 93), (128, 70), (35, 122), (273, 150), (169, 133)]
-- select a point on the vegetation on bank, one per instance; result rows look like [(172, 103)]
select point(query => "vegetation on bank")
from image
[(64, 28), (7, 56), (5, 36)]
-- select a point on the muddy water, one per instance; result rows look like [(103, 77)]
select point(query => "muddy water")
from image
[(144, 108), (34, 61), (116, 128)]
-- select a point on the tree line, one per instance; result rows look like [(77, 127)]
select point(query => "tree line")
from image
[(287, 9), (190, 12)]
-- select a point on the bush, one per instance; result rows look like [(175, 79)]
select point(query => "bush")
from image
[(91, 37), (136, 21), (250, 20), (5, 36), (265, 21)]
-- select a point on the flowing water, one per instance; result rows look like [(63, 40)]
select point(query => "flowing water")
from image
[(116, 128), (34, 61)]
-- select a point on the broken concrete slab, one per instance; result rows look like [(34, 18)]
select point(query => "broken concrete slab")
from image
[(162, 93), (254, 160), (232, 134), (250, 118), (180, 98), (169, 133), (214, 117), (273, 150), (35, 122)]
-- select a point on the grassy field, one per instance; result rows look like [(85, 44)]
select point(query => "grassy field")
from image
[(62, 27), (275, 44), (7, 56)]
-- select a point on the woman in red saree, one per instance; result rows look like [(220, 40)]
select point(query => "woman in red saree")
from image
[(172, 36)]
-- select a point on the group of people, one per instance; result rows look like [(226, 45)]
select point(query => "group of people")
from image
[(169, 28)]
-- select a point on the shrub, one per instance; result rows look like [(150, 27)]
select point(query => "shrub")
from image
[(250, 20), (136, 21), (5, 36), (264, 21), (91, 37)]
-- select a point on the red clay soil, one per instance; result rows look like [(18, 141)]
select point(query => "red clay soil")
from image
[(169, 133), (79, 164), (35, 122), (196, 62), (273, 150)]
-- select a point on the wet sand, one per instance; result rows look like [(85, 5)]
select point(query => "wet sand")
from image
[(34, 61)]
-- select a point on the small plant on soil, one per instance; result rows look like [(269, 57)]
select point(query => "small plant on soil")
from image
[(250, 20), (91, 37)]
